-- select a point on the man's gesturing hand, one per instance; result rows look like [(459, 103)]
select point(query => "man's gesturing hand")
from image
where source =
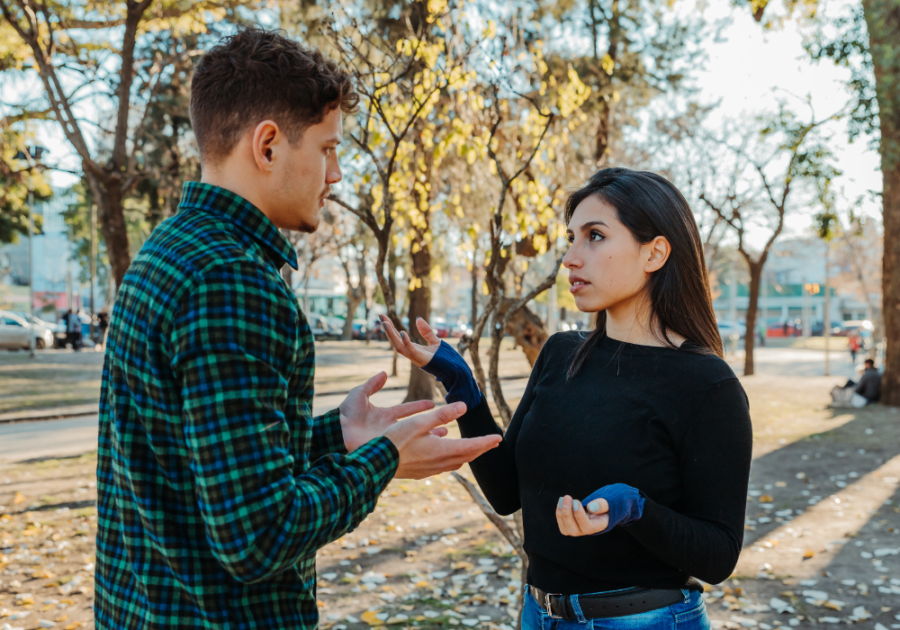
[(423, 454), (362, 421)]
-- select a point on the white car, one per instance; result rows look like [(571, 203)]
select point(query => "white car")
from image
[(729, 330), (15, 333)]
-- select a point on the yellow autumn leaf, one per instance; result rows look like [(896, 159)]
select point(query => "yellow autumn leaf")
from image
[(371, 618), (607, 64), (18, 498), (808, 554), (766, 498)]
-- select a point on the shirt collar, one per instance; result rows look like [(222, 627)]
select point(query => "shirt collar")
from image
[(243, 215)]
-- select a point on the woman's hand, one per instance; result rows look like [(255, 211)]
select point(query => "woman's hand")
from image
[(574, 520), (419, 355)]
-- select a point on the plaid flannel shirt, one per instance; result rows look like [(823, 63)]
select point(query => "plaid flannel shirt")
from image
[(215, 485)]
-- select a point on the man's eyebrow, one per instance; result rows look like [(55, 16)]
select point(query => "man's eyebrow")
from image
[(334, 140)]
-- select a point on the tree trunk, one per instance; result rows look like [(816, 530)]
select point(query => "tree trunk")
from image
[(354, 299), (111, 217), (750, 320), (527, 329), (421, 384), (883, 22)]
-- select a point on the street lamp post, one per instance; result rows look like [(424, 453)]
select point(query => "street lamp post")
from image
[(31, 273), (32, 155), (827, 318), (93, 264)]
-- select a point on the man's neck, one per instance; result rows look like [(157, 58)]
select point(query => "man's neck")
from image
[(227, 178)]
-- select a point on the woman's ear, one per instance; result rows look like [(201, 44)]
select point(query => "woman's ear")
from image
[(657, 253)]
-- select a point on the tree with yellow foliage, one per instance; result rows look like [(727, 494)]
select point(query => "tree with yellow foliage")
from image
[(87, 50)]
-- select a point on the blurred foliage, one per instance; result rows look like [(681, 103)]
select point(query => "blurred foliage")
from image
[(18, 177)]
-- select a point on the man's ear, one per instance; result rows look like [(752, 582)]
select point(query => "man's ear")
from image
[(264, 144), (658, 251)]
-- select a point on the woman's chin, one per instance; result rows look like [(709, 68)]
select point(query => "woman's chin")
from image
[(587, 305)]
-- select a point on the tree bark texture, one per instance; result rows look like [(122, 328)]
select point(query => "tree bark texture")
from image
[(526, 328), (883, 22), (752, 311), (421, 385), (111, 217), (355, 297)]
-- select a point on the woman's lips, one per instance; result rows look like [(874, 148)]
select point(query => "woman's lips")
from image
[(578, 285)]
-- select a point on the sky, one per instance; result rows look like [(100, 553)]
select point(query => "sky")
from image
[(746, 70), (751, 67)]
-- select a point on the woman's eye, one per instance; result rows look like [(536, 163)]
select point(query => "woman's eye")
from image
[(596, 236), (570, 238)]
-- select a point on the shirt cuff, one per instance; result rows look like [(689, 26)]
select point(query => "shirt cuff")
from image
[(380, 460), (327, 435)]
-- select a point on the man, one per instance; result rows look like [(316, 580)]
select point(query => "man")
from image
[(869, 386), (215, 486), (102, 325)]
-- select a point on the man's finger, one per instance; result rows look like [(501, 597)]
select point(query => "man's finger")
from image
[(410, 409), (440, 431), (464, 450), (441, 416), (374, 384), (427, 332)]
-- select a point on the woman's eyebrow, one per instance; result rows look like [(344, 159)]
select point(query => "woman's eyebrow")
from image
[(590, 224)]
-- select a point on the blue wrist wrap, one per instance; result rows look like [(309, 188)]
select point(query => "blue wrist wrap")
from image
[(450, 368), (626, 505)]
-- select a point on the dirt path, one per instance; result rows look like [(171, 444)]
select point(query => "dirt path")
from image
[(822, 541)]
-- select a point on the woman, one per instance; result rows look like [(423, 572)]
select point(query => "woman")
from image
[(629, 453)]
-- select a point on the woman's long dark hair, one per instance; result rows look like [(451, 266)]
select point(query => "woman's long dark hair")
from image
[(649, 205)]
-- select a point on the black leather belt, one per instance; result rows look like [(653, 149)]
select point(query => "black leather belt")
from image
[(601, 605)]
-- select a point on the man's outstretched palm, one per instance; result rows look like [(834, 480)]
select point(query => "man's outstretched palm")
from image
[(362, 421)]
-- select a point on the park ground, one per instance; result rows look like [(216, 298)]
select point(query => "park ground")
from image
[(821, 547)]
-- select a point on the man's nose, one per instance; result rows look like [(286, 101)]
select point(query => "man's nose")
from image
[(333, 174)]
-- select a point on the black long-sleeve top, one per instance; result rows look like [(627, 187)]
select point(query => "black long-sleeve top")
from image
[(673, 423)]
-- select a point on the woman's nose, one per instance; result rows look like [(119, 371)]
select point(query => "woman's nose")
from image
[(570, 260)]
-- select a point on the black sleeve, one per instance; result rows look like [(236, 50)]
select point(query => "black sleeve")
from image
[(704, 538), (496, 471)]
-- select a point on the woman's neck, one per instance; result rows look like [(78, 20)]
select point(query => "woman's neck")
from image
[(630, 321)]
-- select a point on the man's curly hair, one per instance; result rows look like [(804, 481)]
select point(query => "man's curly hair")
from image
[(256, 75)]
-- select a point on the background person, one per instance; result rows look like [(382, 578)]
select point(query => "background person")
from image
[(869, 386), (215, 486), (638, 431)]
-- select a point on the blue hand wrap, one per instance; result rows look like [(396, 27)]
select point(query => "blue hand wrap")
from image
[(626, 505), (450, 368)]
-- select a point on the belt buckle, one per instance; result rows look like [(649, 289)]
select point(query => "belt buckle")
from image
[(547, 607)]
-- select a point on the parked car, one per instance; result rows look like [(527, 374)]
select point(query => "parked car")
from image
[(441, 329), (16, 331), (359, 328), (322, 328), (728, 330), (44, 331), (461, 330), (861, 326), (818, 329)]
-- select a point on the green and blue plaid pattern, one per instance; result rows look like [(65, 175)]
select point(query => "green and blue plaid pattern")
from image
[(215, 484)]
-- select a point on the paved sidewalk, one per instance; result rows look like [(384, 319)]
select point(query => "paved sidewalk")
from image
[(52, 413)]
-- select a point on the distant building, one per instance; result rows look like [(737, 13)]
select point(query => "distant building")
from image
[(793, 266), (56, 273)]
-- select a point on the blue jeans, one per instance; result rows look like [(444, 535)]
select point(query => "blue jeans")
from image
[(689, 614)]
